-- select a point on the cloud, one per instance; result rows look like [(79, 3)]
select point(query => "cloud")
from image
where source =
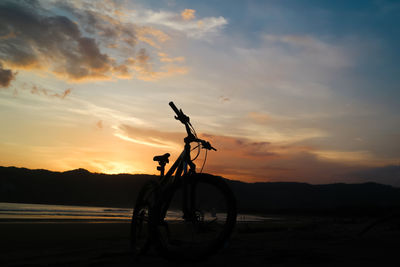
[(82, 42), (38, 90), (362, 157), (49, 42), (145, 69), (149, 137), (184, 22), (64, 94), (8, 36), (251, 160), (165, 58), (224, 99), (188, 14), (6, 76), (99, 124), (328, 55), (259, 117), (243, 147), (286, 75), (151, 36)]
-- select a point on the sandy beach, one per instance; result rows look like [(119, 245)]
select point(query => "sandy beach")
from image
[(287, 242)]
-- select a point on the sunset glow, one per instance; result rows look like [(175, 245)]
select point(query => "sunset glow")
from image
[(285, 90)]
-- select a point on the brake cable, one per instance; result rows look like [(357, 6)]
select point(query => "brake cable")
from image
[(198, 151), (199, 148), (194, 131), (204, 162)]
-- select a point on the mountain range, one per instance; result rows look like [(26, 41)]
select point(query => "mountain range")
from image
[(81, 187)]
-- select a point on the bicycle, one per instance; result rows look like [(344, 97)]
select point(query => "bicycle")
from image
[(186, 215)]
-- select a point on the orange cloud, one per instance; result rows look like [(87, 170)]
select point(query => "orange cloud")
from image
[(150, 137), (188, 14), (99, 124), (145, 70), (165, 58), (151, 36)]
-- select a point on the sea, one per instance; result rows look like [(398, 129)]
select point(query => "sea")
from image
[(58, 213)]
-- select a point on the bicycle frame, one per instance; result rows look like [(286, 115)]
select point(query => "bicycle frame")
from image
[(181, 166)]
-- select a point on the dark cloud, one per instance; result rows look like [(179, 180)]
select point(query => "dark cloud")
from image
[(53, 42), (107, 28), (32, 37), (245, 159), (142, 59), (243, 147), (256, 149), (6, 76)]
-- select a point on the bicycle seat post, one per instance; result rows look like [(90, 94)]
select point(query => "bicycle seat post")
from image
[(161, 168), (162, 161)]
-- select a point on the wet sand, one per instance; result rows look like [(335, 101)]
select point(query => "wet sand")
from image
[(287, 242)]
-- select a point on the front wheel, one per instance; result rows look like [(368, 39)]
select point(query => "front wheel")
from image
[(206, 226)]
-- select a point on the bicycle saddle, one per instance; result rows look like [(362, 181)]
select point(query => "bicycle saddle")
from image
[(162, 158)]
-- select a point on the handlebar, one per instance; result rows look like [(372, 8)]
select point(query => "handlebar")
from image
[(174, 108), (180, 116)]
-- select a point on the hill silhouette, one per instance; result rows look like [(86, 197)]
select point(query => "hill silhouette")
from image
[(81, 187)]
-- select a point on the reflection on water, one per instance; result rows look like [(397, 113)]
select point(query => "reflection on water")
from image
[(50, 212), (14, 211)]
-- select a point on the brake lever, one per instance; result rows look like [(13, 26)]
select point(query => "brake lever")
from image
[(208, 146), (182, 117)]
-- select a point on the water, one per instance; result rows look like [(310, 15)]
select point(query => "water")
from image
[(22, 211), (61, 212)]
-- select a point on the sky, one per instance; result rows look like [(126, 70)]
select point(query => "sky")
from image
[(304, 91)]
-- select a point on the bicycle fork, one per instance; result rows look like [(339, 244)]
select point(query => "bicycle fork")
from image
[(189, 199), (189, 187)]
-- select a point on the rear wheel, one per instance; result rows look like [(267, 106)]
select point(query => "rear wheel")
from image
[(141, 234), (202, 231)]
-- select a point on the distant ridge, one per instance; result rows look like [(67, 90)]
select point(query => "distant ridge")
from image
[(81, 187), (74, 187), (79, 171)]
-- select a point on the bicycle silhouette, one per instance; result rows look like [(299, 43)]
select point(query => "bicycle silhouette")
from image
[(185, 215)]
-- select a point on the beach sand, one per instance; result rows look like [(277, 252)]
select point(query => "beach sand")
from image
[(286, 242)]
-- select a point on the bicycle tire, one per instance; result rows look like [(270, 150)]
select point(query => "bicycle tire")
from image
[(212, 231), (141, 232)]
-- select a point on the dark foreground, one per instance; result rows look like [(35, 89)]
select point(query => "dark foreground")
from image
[(287, 242)]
